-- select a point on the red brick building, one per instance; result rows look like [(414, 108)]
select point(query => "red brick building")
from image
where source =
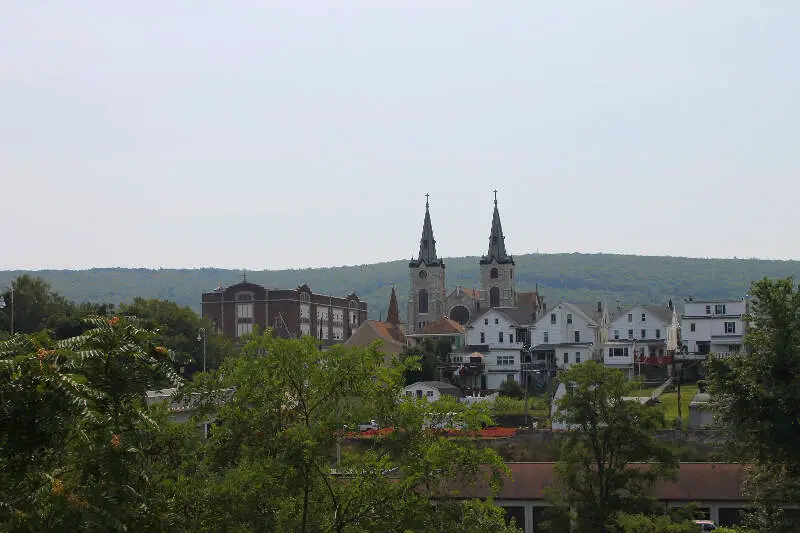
[(235, 310)]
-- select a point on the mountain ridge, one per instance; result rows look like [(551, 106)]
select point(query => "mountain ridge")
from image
[(576, 277)]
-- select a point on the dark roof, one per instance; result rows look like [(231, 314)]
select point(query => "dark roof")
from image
[(441, 386), (427, 244), (497, 244), (694, 482)]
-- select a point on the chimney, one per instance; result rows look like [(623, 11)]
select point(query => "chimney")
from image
[(599, 306)]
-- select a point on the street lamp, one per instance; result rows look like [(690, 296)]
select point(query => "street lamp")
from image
[(201, 335)]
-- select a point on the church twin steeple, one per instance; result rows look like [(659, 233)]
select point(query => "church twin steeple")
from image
[(497, 244), (427, 244)]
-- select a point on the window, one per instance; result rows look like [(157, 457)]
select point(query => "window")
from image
[(510, 377), (566, 358), (496, 320), (617, 352), (493, 273), (719, 309), (505, 360), (483, 337), (511, 338), (511, 273), (692, 327), (409, 393), (730, 327), (244, 296), (552, 318), (616, 334), (499, 336), (419, 393), (494, 297), (658, 334), (644, 317), (577, 357), (630, 317), (644, 334), (708, 309), (429, 393), (486, 321), (625, 351), (244, 316), (546, 337), (630, 333), (423, 301), (577, 336), (569, 318), (423, 274), (304, 297)]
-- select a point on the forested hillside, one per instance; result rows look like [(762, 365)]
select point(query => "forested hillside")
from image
[(576, 277)]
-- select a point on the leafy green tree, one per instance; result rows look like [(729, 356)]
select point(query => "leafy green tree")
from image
[(596, 475), (75, 432), (757, 400), (272, 464), (641, 523), (180, 329), (511, 389)]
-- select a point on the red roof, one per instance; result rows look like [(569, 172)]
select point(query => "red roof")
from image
[(694, 482), (443, 326)]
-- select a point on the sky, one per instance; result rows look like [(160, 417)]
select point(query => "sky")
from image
[(290, 134)]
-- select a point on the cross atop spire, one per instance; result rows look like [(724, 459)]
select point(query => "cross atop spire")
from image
[(244, 276), (427, 244), (497, 245)]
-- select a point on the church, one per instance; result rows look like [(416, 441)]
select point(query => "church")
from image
[(428, 298)]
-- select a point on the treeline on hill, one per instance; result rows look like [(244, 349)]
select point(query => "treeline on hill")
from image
[(573, 277)]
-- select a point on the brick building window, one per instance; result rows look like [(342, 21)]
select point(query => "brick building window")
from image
[(422, 301)]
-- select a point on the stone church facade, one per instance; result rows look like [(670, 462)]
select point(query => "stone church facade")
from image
[(428, 299)]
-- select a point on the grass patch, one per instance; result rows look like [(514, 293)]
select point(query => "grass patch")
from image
[(537, 406), (670, 402)]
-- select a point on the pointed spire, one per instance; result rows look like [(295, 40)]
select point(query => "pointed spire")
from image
[(497, 245), (427, 244), (393, 315)]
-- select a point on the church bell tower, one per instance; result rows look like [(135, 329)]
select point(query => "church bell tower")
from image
[(498, 286), (426, 299)]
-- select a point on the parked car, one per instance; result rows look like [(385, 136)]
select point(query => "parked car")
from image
[(706, 525), (366, 426)]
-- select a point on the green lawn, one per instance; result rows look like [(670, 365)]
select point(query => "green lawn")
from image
[(670, 401)]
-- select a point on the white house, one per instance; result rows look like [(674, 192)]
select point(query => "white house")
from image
[(431, 390), (569, 334), (712, 326), (637, 335), (497, 334)]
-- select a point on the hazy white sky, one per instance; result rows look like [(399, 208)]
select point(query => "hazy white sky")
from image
[(306, 133)]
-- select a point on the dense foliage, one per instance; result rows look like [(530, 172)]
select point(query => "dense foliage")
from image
[(596, 474), (758, 400), (575, 277), (80, 450)]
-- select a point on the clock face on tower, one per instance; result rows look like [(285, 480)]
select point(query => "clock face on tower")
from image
[(423, 274)]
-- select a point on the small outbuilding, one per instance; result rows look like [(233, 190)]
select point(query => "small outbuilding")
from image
[(431, 390)]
